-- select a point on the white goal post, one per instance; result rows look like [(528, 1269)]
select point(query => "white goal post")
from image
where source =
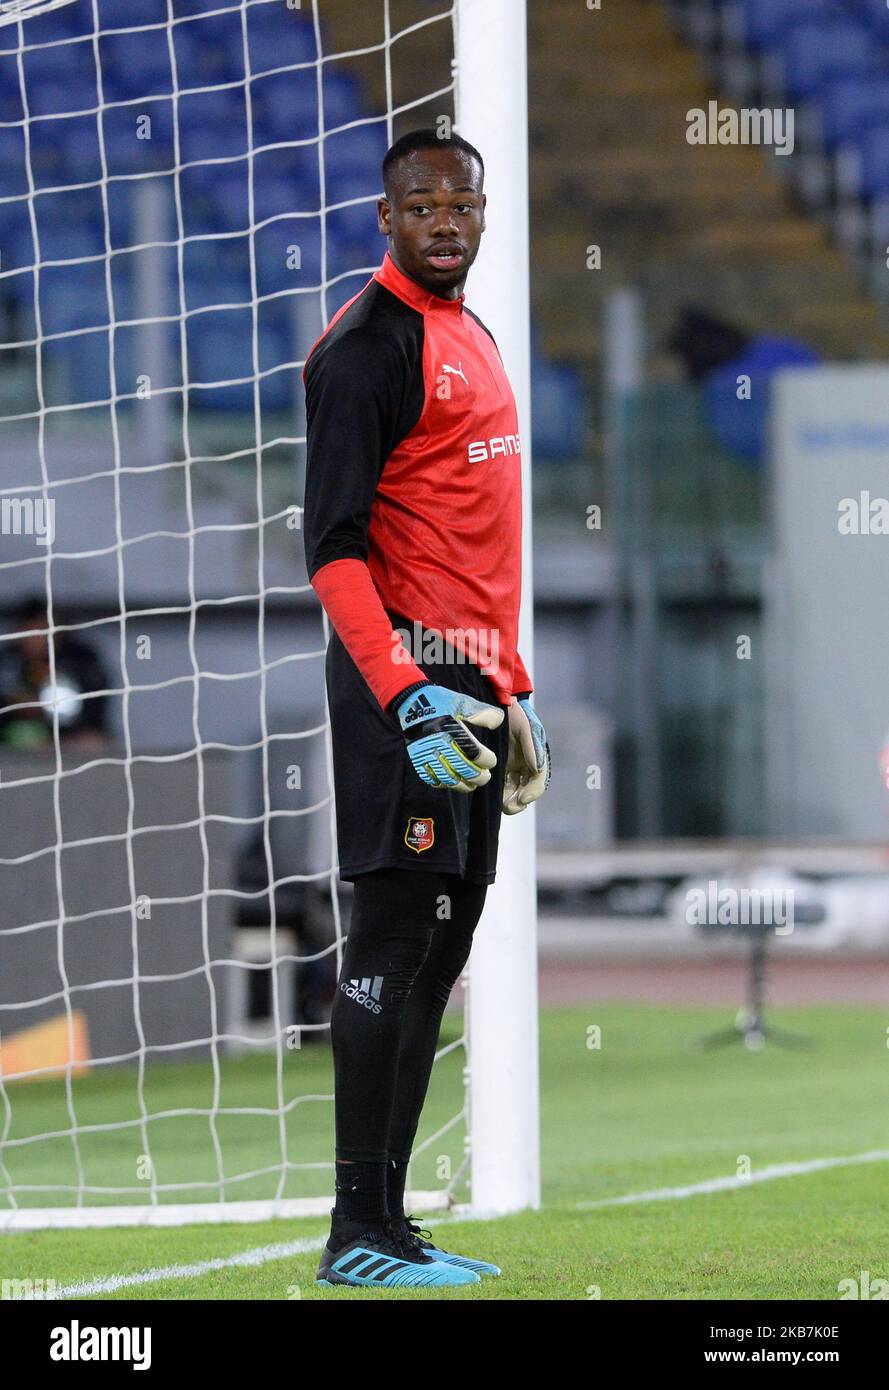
[(492, 113), (158, 441)]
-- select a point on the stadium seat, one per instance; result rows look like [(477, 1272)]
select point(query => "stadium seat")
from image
[(73, 296), (13, 168), (763, 24), (212, 125), (126, 149), (10, 90), (285, 105), (342, 99), (220, 348), (138, 80), (275, 42), (78, 148), (139, 62), (849, 105), (875, 15), (279, 246), (557, 413), (128, 14), (58, 81), (353, 159), (741, 426), (873, 147), (814, 53)]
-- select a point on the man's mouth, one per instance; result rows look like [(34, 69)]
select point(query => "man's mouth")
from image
[(445, 257)]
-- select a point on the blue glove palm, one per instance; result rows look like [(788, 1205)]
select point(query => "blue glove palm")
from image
[(442, 749)]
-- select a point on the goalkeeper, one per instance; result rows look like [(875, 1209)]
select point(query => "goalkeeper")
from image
[(413, 522)]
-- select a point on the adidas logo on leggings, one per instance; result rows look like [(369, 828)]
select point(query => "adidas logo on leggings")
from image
[(366, 993)]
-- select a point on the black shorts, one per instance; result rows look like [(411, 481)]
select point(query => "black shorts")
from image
[(387, 817)]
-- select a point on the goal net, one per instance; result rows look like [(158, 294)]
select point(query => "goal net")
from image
[(187, 195)]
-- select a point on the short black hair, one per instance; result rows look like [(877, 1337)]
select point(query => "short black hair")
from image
[(425, 139), (27, 609)]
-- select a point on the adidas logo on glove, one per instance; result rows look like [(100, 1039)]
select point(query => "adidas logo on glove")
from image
[(420, 709)]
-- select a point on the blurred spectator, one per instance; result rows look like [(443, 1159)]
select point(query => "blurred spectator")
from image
[(717, 353), (25, 681)]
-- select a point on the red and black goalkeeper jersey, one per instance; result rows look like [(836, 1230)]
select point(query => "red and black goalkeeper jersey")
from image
[(413, 497)]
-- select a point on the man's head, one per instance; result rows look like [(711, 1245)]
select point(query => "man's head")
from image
[(433, 209), (32, 613)]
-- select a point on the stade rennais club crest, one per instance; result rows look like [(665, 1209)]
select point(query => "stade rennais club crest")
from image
[(420, 833)]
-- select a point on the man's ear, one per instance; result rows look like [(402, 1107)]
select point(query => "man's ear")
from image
[(484, 205), (384, 216)]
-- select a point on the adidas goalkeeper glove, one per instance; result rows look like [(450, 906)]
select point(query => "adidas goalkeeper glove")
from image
[(442, 749), (529, 764)]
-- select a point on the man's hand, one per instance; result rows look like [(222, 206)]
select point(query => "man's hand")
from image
[(443, 751), (529, 764)]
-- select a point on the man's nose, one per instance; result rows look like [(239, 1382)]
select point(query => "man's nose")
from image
[(446, 224)]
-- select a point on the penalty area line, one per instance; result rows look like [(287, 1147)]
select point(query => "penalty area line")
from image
[(733, 1182)]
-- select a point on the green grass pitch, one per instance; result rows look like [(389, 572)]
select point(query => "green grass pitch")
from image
[(644, 1111)]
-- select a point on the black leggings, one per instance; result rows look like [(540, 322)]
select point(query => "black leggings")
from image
[(409, 939)]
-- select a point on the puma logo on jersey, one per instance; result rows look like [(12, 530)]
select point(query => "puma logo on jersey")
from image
[(502, 446), (455, 371)]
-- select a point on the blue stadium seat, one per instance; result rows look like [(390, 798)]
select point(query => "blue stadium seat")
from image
[(764, 23), (196, 7), (272, 197), (874, 150), (11, 108), (275, 338), (849, 105), (815, 53), (557, 412), (13, 168), (296, 166), (212, 125), (342, 99), (288, 255), (60, 79), (134, 144), (218, 49), (876, 15), (13, 233), (358, 150), (127, 14), (279, 38), (139, 62), (285, 105), (220, 347), (46, 158), (120, 195), (72, 296), (741, 426), (66, 240), (352, 230), (18, 253), (209, 290), (78, 143)]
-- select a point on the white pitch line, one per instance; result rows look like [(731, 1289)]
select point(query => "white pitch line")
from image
[(264, 1254), (259, 1255), (731, 1183)]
